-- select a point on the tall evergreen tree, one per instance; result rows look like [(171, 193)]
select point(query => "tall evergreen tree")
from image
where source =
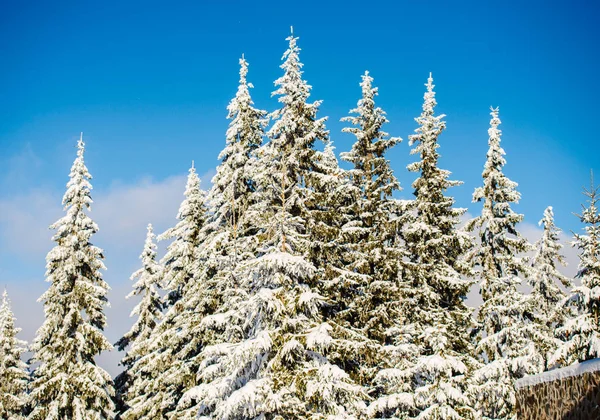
[(373, 229), (229, 239), (149, 313), (435, 286), (370, 231), (233, 183), (506, 323), (279, 368), (546, 276), (180, 263), (13, 371), (158, 386), (68, 383), (546, 294), (581, 333), (330, 232)]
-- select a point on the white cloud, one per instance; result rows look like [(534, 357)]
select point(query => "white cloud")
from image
[(24, 220), (20, 168)]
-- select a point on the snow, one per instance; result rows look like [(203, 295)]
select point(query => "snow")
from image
[(575, 369)]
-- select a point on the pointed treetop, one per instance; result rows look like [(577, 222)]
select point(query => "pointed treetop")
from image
[(149, 246), (80, 146), (548, 215), (427, 117), (150, 236), (243, 70), (494, 112), (292, 39), (192, 169), (430, 84), (494, 132)]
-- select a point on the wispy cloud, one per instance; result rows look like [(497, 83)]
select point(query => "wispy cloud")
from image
[(20, 168)]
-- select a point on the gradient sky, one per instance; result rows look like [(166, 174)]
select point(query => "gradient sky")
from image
[(148, 85)]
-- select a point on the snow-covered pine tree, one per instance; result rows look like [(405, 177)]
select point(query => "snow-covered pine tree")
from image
[(373, 231), (279, 368), (296, 128), (581, 333), (434, 287), (332, 207), (229, 238), (370, 232), (233, 184), (149, 313), (332, 196), (180, 263), (546, 276), (14, 376), (546, 294), (157, 387), (507, 339), (67, 382)]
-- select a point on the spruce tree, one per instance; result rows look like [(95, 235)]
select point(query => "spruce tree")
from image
[(278, 367), (158, 387), (372, 228), (233, 184), (330, 232), (180, 263), (229, 239), (546, 276), (370, 232), (149, 313), (546, 295), (230, 235), (506, 330), (68, 383), (14, 376), (435, 286), (580, 335)]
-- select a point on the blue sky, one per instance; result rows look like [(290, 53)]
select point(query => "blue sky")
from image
[(148, 85)]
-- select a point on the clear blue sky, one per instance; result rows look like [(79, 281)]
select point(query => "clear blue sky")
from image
[(148, 83)]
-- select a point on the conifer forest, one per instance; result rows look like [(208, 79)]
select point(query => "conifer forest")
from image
[(294, 288)]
